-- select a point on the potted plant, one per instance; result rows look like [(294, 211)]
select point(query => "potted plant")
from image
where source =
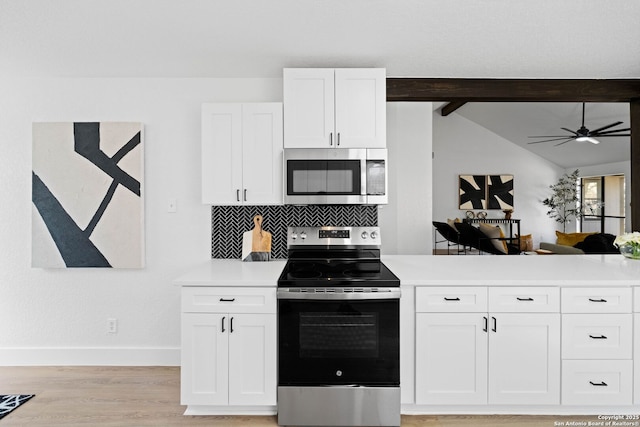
[(563, 203)]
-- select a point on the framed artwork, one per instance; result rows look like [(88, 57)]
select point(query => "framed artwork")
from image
[(472, 191), (500, 192), (87, 188), (485, 191)]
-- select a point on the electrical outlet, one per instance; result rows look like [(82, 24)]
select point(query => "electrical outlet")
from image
[(172, 205), (112, 326)]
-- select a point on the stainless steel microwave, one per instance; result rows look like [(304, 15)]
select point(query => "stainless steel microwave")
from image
[(335, 176)]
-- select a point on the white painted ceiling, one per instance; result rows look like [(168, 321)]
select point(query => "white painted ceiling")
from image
[(410, 38), (516, 121)]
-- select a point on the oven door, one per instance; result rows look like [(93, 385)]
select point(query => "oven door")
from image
[(326, 342)]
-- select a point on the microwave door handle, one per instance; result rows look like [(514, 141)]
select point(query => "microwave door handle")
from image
[(363, 179)]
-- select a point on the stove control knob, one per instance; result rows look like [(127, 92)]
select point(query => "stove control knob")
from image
[(338, 373), (294, 235), (364, 235), (374, 235), (303, 235)]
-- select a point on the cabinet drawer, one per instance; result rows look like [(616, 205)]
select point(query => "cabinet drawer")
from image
[(524, 300), (451, 299), (228, 300), (596, 382), (596, 300), (596, 336)]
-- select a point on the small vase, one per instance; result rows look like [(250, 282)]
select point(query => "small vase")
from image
[(630, 251)]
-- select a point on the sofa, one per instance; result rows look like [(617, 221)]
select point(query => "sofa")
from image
[(581, 243)]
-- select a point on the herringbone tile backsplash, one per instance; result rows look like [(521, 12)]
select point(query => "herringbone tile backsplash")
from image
[(228, 223)]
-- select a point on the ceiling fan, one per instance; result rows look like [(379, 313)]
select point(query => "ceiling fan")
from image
[(583, 134)]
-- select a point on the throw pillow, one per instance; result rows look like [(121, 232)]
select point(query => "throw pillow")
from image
[(570, 239), (526, 242), (494, 233), (452, 223)]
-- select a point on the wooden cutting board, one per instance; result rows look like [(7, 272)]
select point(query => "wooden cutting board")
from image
[(256, 244)]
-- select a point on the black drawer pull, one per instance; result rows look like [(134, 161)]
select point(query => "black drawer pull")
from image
[(601, 337), (495, 324), (223, 317), (524, 299), (600, 384), (227, 299), (597, 300), (452, 299), (486, 324)]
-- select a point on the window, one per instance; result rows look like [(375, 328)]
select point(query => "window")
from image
[(603, 201)]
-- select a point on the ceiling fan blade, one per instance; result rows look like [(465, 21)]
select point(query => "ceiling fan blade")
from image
[(568, 138), (564, 142), (551, 136), (570, 131), (605, 127), (610, 132)]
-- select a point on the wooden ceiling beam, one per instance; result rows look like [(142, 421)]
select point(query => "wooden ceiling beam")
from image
[(451, 107), (512, 90)]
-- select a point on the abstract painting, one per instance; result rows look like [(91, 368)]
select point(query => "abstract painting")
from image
[(500, 192), (87, 188), (472, 192)]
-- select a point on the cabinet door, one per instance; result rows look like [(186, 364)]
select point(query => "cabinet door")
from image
[(262, 153), (524, 359), (205, 349), (451, 358), (309, 108), (221, 154), (252, 359), (361, 108)]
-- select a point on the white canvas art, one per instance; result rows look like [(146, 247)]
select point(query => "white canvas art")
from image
[(88, 209)]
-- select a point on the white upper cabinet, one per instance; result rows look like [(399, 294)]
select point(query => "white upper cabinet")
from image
[(242, 154), (335, 108)]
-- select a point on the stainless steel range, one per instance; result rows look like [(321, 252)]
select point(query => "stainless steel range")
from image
[(338, 330)]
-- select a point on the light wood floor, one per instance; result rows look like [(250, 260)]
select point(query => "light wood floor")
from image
[(150, 396)]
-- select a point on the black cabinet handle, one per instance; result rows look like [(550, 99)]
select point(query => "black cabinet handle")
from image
[(601, 337), (227, 299), (231, 325), (331, 138), (486, 324), (452, 299), (245, 194), (597, 300), (338, 138), (600, 384), (223, 317), (524, 299), (495, 324), (238, 194)]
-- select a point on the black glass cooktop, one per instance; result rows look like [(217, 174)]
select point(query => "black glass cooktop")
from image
[(337, 273)]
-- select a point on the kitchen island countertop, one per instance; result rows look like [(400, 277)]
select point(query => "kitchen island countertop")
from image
[(516, 270), (463, 270)]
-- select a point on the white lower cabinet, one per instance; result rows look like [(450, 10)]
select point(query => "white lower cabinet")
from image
[(487, 357), (228, 358), (597, 382), (597, 346)]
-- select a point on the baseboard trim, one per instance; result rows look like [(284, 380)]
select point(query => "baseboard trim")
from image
[(89, 356)]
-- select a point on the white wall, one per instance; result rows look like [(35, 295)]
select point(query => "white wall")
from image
[(406, 221), (59, 316), (462, 147)]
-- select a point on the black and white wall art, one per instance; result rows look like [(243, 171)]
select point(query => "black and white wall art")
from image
[(485, 191), (87, 194), (500, 192), (472, 191)]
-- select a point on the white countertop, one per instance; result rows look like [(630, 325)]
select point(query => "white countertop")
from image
[(515, 270), (233, 272), (462, 270)]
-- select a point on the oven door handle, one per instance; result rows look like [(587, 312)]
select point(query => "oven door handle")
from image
[(338, 295)]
